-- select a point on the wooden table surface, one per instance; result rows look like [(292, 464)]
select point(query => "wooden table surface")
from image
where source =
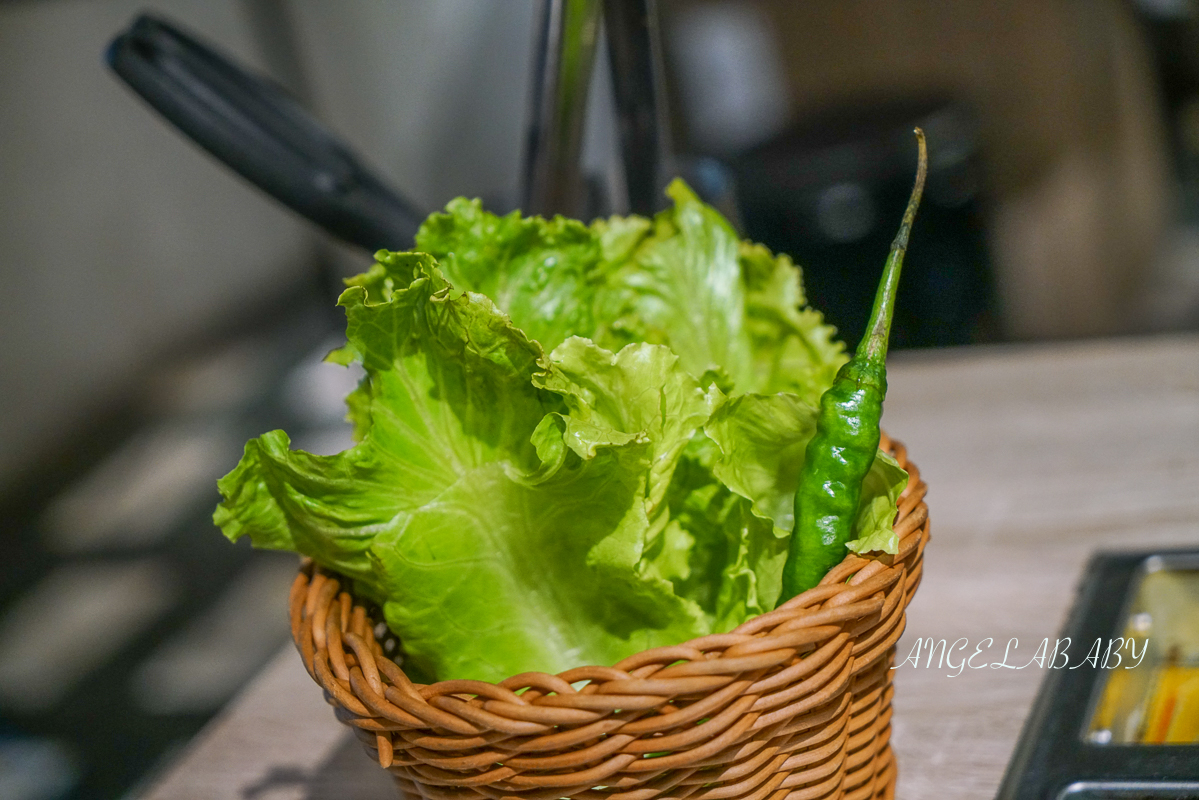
[(1036, 456)]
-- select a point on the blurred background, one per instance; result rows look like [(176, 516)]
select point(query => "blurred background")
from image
[(158, 310)]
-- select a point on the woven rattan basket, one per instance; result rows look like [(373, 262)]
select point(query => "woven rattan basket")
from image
[(792, 705)]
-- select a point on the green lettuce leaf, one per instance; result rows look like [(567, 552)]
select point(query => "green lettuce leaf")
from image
[(642, 390), (792, 349), (540, 272), (881, 488), (725, 307), (682, 286), (448, 389), (498, 505), (573, 442)]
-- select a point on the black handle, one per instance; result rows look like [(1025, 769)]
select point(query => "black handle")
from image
[(255, 127)]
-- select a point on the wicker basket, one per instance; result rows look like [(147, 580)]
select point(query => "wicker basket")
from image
[(792, 705)]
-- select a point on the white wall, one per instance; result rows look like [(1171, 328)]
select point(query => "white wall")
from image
[(434, 92), (119, 239)]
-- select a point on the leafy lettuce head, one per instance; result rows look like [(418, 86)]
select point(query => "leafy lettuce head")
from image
[(574, 442)]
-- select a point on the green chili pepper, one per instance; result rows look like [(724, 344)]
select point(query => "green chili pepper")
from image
[(847, 431)]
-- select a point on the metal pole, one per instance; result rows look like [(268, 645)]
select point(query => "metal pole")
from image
[(635, 52), (563, 64)]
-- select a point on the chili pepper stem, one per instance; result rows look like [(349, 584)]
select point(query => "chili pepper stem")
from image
[(874, 346), (841, 452)]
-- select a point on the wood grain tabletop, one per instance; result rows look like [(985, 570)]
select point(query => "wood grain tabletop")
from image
[(1036, 456)]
